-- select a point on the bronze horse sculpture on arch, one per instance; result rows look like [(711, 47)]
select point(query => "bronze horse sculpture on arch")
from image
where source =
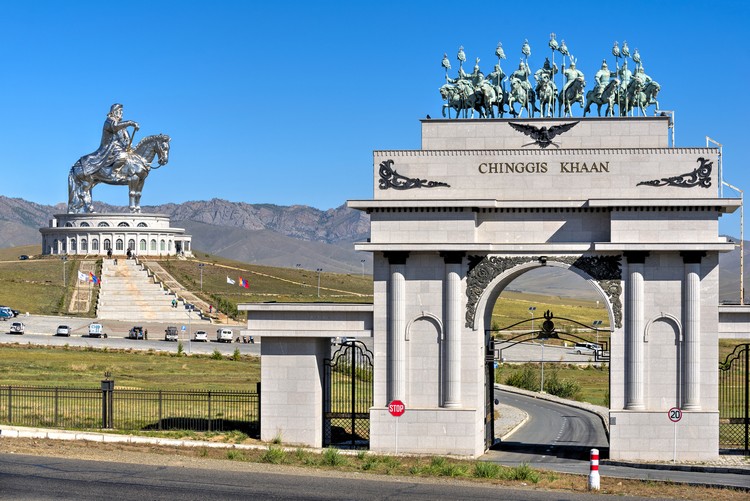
[(132, 173)]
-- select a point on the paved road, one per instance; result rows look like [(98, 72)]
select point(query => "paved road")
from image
[(40, 330), (559, 438), (40, 478)]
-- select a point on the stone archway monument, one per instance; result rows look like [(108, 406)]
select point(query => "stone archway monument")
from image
[(480, 203)]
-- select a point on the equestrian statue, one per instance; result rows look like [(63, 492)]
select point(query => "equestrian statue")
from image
[(116, 162), (619, 88)]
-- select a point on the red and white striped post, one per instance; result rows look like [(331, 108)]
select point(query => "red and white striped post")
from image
[(594, 471)]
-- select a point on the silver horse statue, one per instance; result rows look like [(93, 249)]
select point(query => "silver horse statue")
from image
[(132, 173)]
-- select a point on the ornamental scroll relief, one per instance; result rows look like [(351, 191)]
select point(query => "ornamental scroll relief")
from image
[(701, 176), (389, 178), (606, 270)]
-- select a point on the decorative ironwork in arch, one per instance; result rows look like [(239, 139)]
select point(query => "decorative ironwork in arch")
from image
[(606, 270)]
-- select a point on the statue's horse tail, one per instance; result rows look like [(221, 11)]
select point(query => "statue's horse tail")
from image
[(74, 195)]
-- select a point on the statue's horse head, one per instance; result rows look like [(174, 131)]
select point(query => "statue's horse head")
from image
[(446, 91), (652, 89), (162, 148)]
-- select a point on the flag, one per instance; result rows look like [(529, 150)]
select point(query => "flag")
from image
[(82, 277), (243, 283), (230, 281), (93, 279)]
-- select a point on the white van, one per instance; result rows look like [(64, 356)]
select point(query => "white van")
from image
[(224, 335), (97, 330)]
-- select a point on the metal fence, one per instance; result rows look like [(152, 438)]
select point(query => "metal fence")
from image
[(129, 409), (734, 400)]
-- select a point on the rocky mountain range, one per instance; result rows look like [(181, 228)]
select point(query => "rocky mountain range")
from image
[(263, 234), (274, 235)]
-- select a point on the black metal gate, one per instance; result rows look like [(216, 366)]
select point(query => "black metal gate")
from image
[(347, 396), (734, 393), (489, 389)]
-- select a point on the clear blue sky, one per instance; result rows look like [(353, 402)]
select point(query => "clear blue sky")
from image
[(284, 102)]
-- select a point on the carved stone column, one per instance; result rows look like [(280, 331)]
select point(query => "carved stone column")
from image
[(397, 326), (691, 336), (452, 335), (634, 358)]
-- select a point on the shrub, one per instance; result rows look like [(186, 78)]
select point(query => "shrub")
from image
[(180, 349), (236, 355), (483, 469), (216, 355), (274, 455), (332, 457), (522, 472), (562, 388), (527, 378)]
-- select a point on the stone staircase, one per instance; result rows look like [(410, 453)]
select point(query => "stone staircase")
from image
[(128, 292)]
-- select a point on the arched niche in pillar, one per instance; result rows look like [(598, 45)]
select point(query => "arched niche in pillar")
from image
[(663, 359), (424, 345)]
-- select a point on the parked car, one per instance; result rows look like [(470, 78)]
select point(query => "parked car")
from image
[(136, 333), (62, 330), (170, 333), (586, 348), (201, 336), (224, 335), (97, 330), (6, 313), (17, 328)]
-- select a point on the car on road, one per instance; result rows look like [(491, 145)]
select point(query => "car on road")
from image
[(586, 348), (23, 257), (17, 328), (201, 336), (62, 330), (170, 333), (6, 313), (224, 335), (97, 330), (136, 332)]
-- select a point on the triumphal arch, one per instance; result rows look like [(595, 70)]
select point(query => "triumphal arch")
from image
[(486, 200), (483, 202)]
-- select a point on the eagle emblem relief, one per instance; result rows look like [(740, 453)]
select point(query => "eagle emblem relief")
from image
[(543, 135)]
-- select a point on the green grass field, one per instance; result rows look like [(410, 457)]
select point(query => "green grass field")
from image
[(79, 367)]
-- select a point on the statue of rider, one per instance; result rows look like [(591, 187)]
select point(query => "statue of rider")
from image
[(466, 82), (113, 149), (571, 74), (641, 75), (602, 79), (521, 76), (550, 71), (625, 75), (497, 76)]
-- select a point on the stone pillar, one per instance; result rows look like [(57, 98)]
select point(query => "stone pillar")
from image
[(691, 308), (452, 325), (634, 357), (397, 326)]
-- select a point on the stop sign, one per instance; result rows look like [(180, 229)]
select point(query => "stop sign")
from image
[(396, 408)]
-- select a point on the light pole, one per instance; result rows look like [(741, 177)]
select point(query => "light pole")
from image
[(363, 267), (319, 270), (190, 328), (200, 267), (532, 309), (541, 389), (597, 323), (742, 240), (64, 258)]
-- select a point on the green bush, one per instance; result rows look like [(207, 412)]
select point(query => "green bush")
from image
[(522, 472), (332, 457), (562, 388), (527, 378), (483, 469), (216, 355), (274, 455), (236, 355)]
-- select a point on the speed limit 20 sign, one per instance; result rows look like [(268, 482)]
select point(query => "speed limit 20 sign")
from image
[(675, 414)]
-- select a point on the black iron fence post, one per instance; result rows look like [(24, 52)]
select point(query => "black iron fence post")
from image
[(108, 387), (10, 404), (209, 411), (747, 395), (57, 398)]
